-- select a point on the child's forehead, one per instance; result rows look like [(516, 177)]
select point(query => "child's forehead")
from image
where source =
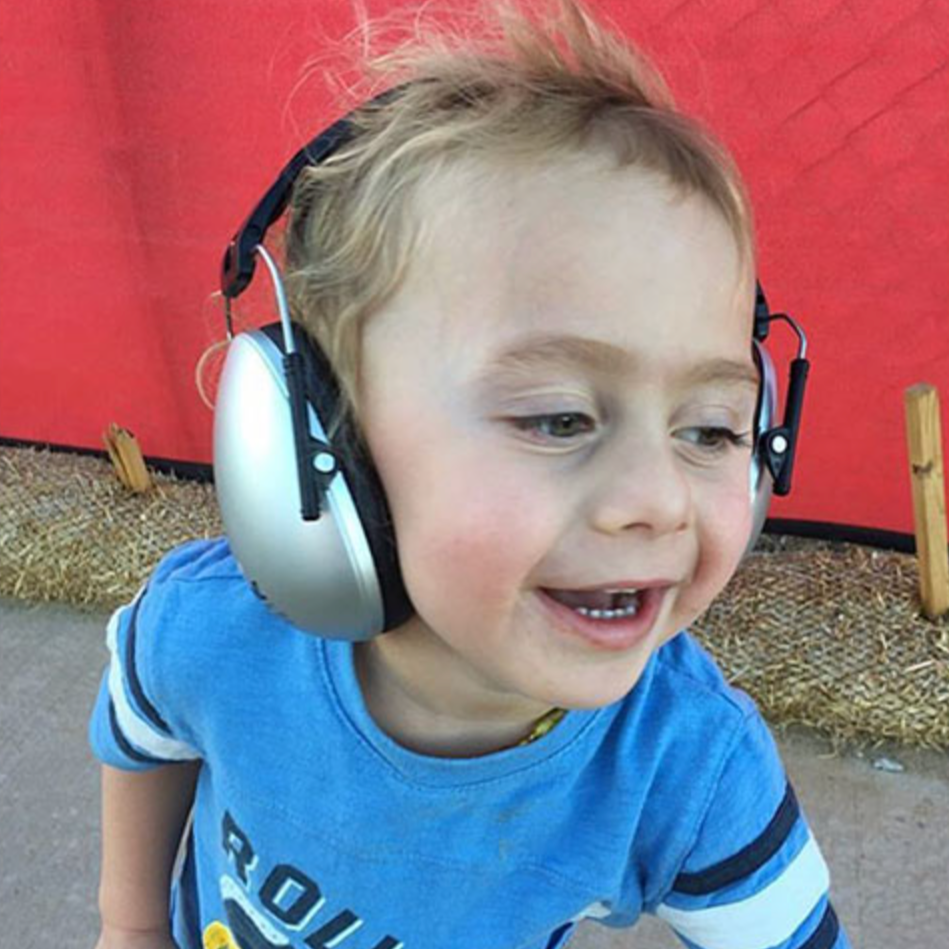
[(564, 207), (550, 230), (510, 189), (580, 250)]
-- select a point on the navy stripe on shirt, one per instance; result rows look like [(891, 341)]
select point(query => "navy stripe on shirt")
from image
[(558, 938), (826, 933), (135, 684), (749, 858), (124, 746)]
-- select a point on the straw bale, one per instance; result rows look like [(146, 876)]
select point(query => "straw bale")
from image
[(820, 633), (70, 531), (832, 636)]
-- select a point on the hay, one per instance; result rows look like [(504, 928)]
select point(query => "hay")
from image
[(71, 532), (831, 636), (819, 633)]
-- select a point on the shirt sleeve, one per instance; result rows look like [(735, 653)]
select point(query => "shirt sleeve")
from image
[(129, 727), (754, 877)]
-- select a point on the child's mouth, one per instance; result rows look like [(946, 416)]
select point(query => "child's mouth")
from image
[(612, 620)]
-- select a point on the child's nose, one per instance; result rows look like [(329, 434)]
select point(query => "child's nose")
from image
[(646, 488)]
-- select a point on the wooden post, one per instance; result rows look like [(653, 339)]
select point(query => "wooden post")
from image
[(929, 496), (126, 457)]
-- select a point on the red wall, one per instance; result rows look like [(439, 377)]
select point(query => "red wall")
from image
[(134, 138)]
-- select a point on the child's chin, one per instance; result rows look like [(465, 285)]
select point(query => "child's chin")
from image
[(603, 690)]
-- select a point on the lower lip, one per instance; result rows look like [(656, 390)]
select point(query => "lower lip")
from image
[(609, 634)]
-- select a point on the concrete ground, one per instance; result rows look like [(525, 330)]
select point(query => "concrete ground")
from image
[(884, 833)]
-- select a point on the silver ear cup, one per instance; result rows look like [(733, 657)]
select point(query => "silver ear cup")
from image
[(318, 574), (759, 479)]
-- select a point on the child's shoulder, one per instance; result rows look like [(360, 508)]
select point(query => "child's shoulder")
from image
[(686, 670), (198, 560), (197, 611), (200, 583)]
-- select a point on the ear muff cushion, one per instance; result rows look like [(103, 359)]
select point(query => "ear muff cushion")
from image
[(765, 409), (323, 394)]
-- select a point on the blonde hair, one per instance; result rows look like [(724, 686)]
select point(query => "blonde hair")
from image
[(528, 88)]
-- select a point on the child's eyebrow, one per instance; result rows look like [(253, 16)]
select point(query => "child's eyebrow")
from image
[(545, 349)]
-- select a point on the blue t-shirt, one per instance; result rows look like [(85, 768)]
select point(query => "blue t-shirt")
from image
[(312, 828)]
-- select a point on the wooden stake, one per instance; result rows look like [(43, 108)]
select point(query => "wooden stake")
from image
[(126, 457), (929, 496)]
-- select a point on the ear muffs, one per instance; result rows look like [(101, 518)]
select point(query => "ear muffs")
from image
[(324, 395), (336, 575)]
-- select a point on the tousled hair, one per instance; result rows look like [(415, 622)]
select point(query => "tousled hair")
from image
[(530, 87)]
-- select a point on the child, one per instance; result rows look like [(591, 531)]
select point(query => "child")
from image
[(535, 281)]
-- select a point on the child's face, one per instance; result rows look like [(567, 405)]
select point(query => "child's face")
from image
[(628, 487)]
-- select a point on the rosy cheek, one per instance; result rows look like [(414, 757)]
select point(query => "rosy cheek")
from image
[(723, 533), (477, 544), (456, 581), (730, 530)]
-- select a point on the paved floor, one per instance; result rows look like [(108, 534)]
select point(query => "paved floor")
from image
[(885, 834)]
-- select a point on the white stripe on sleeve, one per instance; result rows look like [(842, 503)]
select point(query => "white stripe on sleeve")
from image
[(139, 732), (769, 917)]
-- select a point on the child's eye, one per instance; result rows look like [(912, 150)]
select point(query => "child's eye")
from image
[(563, 426), (715, 440), (566, 427)]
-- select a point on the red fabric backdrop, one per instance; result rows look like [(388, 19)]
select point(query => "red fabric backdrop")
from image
[(136, 136)]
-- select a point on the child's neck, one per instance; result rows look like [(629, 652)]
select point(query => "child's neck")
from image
[(417, 698)]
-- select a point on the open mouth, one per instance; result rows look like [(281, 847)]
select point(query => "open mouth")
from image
[(600, 604), (606, 619)]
